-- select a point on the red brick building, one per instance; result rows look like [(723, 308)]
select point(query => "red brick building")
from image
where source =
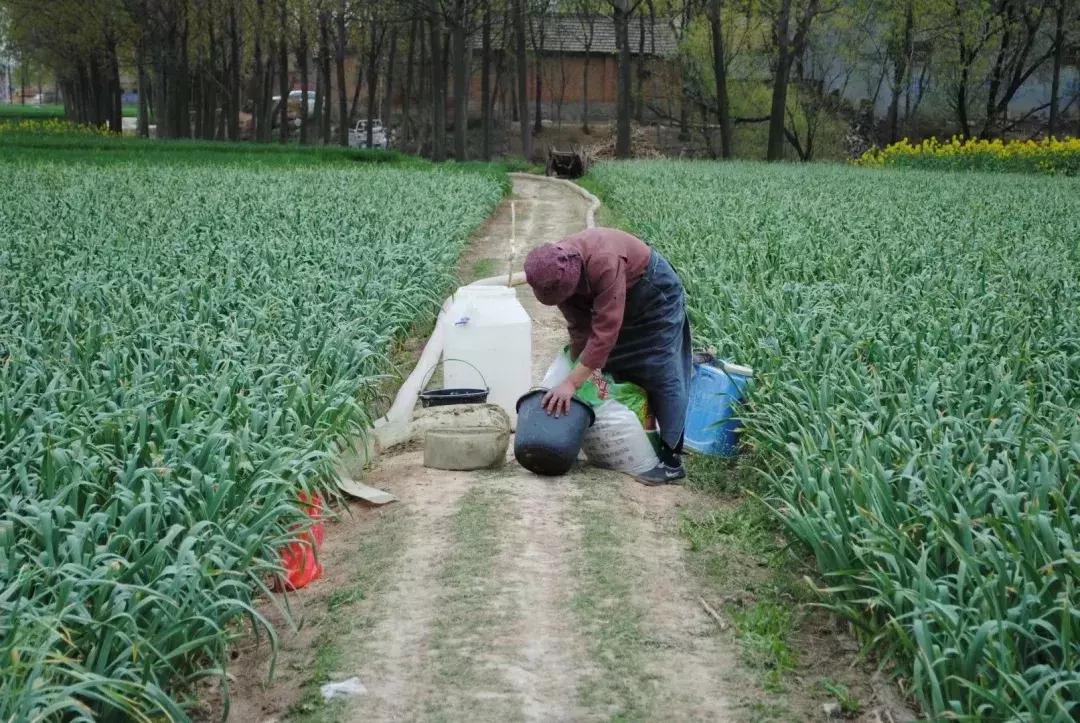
[(567, 41)]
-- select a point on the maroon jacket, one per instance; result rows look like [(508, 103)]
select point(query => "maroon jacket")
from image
[(612, 262)]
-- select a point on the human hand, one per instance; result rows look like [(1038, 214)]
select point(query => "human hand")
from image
[(557, 401)]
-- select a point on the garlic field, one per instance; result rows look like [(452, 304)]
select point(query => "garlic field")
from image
[(916, 413), (181, 348)]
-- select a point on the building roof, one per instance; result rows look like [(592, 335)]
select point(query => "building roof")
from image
[(568, 33)]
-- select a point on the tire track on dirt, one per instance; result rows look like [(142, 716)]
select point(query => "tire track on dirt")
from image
[(454, 646)]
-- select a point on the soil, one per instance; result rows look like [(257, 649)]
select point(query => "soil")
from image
[(498, 595)]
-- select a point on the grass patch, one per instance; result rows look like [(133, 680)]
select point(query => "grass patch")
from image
[(606, 216), (849, 703), (483, 268), (48, 111), (18, 111), (736, 549), (379, 549), (83, 148), (763, 631), (470, 612), (610, 621)]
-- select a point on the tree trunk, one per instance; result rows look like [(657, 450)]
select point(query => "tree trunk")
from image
[(302, 61), (269, 108), (143, 123), (317, 111), (283, 70), (197, 99), (438, 86), (373, 82), (723, 107), (562, 86), (1059, 56), (485, 84), (116, 113), (522, 92), (625, 99), (234, 76), (585, 91), (161, 113), (900, 71), (780, 84), (182, 106), (538, 119), (639, 96), (459, 62), (961, 104), (343, 96), (99, 111), (387, 109), (25, 67), (258, 81), (965, 69), (423, 90), (406, 117), (324, 62), (996, 75), (354, 105), (211, 80)]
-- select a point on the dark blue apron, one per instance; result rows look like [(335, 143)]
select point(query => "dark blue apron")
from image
[(653, 347)]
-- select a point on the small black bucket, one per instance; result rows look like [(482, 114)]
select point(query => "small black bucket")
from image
[(445, 397), (545, 444)]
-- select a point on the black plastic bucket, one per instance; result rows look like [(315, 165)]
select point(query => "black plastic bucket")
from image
[(545, 444), (445, 397)]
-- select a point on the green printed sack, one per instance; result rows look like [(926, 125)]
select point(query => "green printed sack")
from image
[(624, 435)]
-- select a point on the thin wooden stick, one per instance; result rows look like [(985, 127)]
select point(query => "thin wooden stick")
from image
[(713, 614), (513, 245)]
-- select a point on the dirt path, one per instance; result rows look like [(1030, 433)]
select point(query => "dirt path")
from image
[(501, 596)]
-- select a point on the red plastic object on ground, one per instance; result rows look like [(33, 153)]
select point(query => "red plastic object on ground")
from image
[(298, 557)]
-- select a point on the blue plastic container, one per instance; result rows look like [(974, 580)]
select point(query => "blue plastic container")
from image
[(715, 392)]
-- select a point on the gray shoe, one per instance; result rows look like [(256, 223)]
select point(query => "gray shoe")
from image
[(662, 474)]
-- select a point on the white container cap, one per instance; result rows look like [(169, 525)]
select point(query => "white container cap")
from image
[(737, 369)]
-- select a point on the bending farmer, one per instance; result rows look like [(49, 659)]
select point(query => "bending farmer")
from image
[(626, 313)]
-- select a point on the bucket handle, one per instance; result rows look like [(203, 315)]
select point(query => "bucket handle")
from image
[(430, 372)]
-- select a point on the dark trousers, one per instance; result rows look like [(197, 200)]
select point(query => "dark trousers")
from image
[(653, 349)]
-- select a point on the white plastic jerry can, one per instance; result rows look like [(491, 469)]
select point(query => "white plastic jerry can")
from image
[(488, 329)]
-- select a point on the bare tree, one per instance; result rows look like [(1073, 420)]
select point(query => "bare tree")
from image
[(438, 84), (341, 48), (1059, 55), (901, 50), (324, 87), (460, 22), (391, 63), (587, 12), (233, 111), (283, 54), (1017, 57), (723, 105), (377, 31), (973, 29), (407, 93), (538, 17), (622, 12), (303, 53), (792, 20), (521, 62)]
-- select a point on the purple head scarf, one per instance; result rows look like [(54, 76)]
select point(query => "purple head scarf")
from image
[(553, 273)]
